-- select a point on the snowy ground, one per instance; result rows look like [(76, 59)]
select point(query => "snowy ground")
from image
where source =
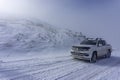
[(25, 54), (61, 67)]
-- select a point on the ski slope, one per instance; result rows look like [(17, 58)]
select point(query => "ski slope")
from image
[(62, 67)]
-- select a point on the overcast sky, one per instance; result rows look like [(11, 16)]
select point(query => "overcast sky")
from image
[(96, 18)]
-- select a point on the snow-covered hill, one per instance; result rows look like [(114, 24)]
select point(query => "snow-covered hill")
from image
[(28, 34), (31, 35)]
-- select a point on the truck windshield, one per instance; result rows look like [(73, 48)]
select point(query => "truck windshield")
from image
[(89, 42)]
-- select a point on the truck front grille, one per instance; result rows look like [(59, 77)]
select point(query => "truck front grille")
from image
[(79, 54)]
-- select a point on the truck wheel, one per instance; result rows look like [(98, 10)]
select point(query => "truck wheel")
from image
[(94, 58), (108, 55)]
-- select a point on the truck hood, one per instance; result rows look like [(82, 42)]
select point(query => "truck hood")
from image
[(83, 46)]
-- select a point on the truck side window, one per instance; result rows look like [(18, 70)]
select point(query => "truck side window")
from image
[(103, 42), (100, 43)]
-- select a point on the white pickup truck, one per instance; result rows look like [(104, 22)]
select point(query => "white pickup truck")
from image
[(90, 49)]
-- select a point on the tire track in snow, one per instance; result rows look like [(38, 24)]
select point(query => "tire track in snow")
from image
[(34, 60), (54, 72), (39, 71), (88, 72), (105, 72), (65, 70), (74, 73), (37, 62), (27, 72), (96, 69)]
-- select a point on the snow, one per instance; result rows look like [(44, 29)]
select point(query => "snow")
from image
[(34, 35), (33, 50), (60, 67)]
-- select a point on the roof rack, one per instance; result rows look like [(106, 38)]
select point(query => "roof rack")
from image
[(90, 38), (99, 39), (94, 38)]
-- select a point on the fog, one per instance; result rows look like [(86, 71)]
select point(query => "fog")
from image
[(95, 18)]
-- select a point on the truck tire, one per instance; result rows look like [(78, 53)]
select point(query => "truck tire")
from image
[(94, 58)]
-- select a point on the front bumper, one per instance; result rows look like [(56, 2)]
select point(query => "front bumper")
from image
[(79, 55)]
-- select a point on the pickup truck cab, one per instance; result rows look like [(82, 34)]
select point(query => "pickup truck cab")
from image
[(90, 49)]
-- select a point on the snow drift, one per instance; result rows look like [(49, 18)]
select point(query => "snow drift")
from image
[(27, 34)]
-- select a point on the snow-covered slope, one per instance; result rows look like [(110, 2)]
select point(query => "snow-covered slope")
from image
[(26, 34), (29, 35)]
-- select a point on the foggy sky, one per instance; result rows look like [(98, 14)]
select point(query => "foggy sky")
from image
[(95, 18)]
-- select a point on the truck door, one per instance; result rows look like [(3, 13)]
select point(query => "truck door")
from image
[(100, 48), (104, 47)]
